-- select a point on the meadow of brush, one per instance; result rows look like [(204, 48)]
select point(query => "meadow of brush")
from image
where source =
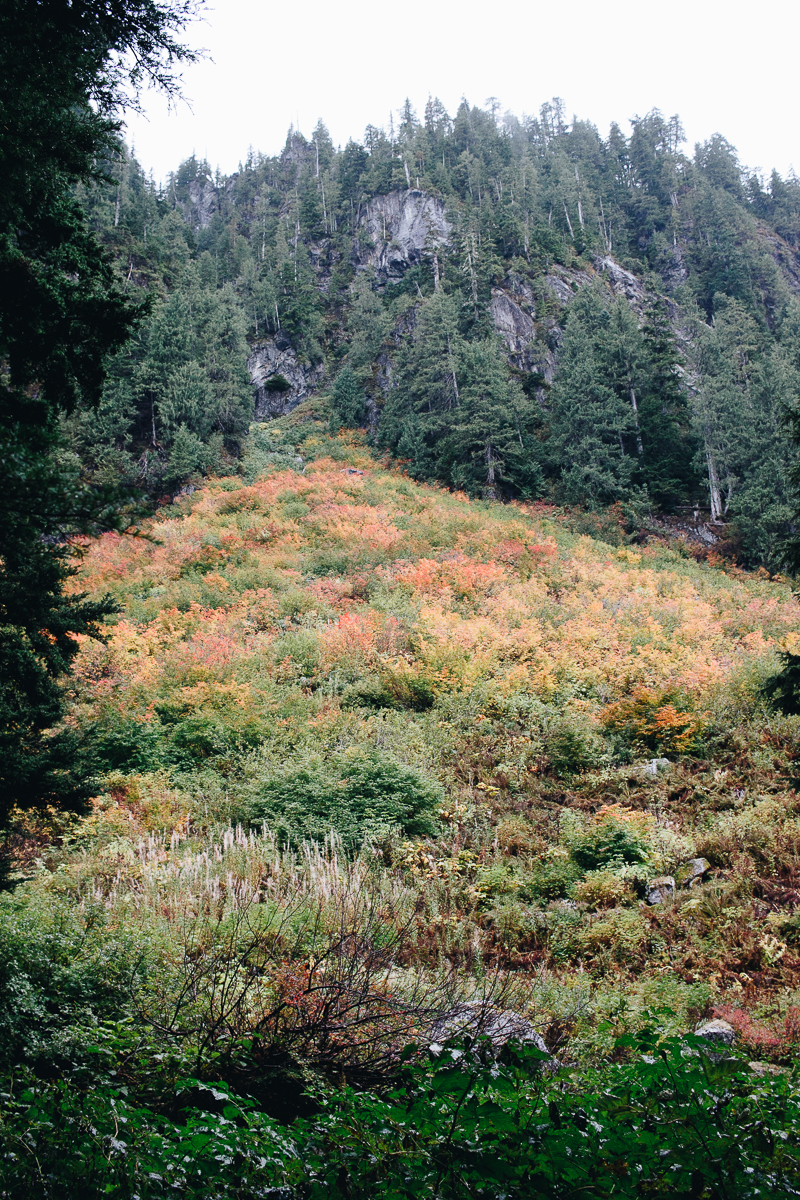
[(368, 748)]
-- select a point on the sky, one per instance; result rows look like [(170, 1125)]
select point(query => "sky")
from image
[(725, 68)]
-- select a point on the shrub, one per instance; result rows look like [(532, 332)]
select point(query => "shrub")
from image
[(550, 880), (602, 889), (277, 383), (619, 937), (663, 1125), (130, 745), (615, 837), (366, 796), (650, 719), (517, 836), (573, 747), (771, 1041)]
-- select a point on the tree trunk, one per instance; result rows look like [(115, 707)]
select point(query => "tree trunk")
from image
[(490, 461), (714, 490), (635, 407)]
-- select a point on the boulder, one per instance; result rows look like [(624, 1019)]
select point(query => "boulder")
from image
[(655, 765), (762, 1069), (717, 1031), (692, 872), (481, 1020), (661, 889)]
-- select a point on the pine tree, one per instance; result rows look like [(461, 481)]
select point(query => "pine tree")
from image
[(669, 446), (348, 402), (592, 428), (490, 447), (61, 315)]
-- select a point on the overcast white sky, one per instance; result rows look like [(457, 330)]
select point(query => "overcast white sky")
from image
[(724, 67)]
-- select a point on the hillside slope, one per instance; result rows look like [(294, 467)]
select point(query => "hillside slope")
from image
[(481, 693)]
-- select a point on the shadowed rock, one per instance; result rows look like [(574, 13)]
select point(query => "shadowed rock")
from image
[(479, 1020)]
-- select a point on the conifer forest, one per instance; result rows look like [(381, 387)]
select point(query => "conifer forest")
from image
[(399, 650)]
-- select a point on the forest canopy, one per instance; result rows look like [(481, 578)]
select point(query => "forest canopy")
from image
[(589, 320)]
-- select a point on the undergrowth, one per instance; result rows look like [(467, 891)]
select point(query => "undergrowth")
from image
[(367, 749)]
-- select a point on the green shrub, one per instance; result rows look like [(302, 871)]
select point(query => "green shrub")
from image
[(61, 973), (550, 880), (368, 693), (608, 843), (354, 798), (602, 889), (277, 383), (131, 745), (572, 747), (668, 1122), (666, 1125)]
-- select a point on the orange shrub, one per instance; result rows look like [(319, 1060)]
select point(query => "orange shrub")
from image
[(649, 719)]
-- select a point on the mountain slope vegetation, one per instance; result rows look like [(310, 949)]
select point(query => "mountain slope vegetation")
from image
[(404, 717), (369, 748), (528, 310)]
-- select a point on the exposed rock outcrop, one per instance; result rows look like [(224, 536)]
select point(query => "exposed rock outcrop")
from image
[(482, 1020), (203, 203), (273, 365), (515, 326), (622, 282), (402, 227)]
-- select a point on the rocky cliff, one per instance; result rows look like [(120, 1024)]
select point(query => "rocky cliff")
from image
[(403, 229), (280, 379)]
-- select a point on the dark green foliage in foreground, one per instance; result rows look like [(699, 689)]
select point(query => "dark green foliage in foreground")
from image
[(783, 689), (38, 621), (670, 1122), (356, 798), (62, 312)]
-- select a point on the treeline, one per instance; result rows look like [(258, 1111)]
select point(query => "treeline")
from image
[(676, 399)]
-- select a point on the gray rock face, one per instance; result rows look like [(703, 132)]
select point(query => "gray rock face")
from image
[(203, 203), (661, 889), (403, 228), (655, 765), (717, 1031), (273, 357), (622, 282), (476, 1020), (692, 872), (513, 324)]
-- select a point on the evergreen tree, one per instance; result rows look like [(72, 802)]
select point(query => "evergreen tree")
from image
[(490, 447), (419, 408), (669, 446), (62, 77), (368, 324), (592, 428), (348, 402)]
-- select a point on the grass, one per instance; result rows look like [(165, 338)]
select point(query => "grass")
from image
[(312, 616)]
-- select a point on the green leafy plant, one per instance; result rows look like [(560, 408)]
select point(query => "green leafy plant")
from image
[(366, 794)]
